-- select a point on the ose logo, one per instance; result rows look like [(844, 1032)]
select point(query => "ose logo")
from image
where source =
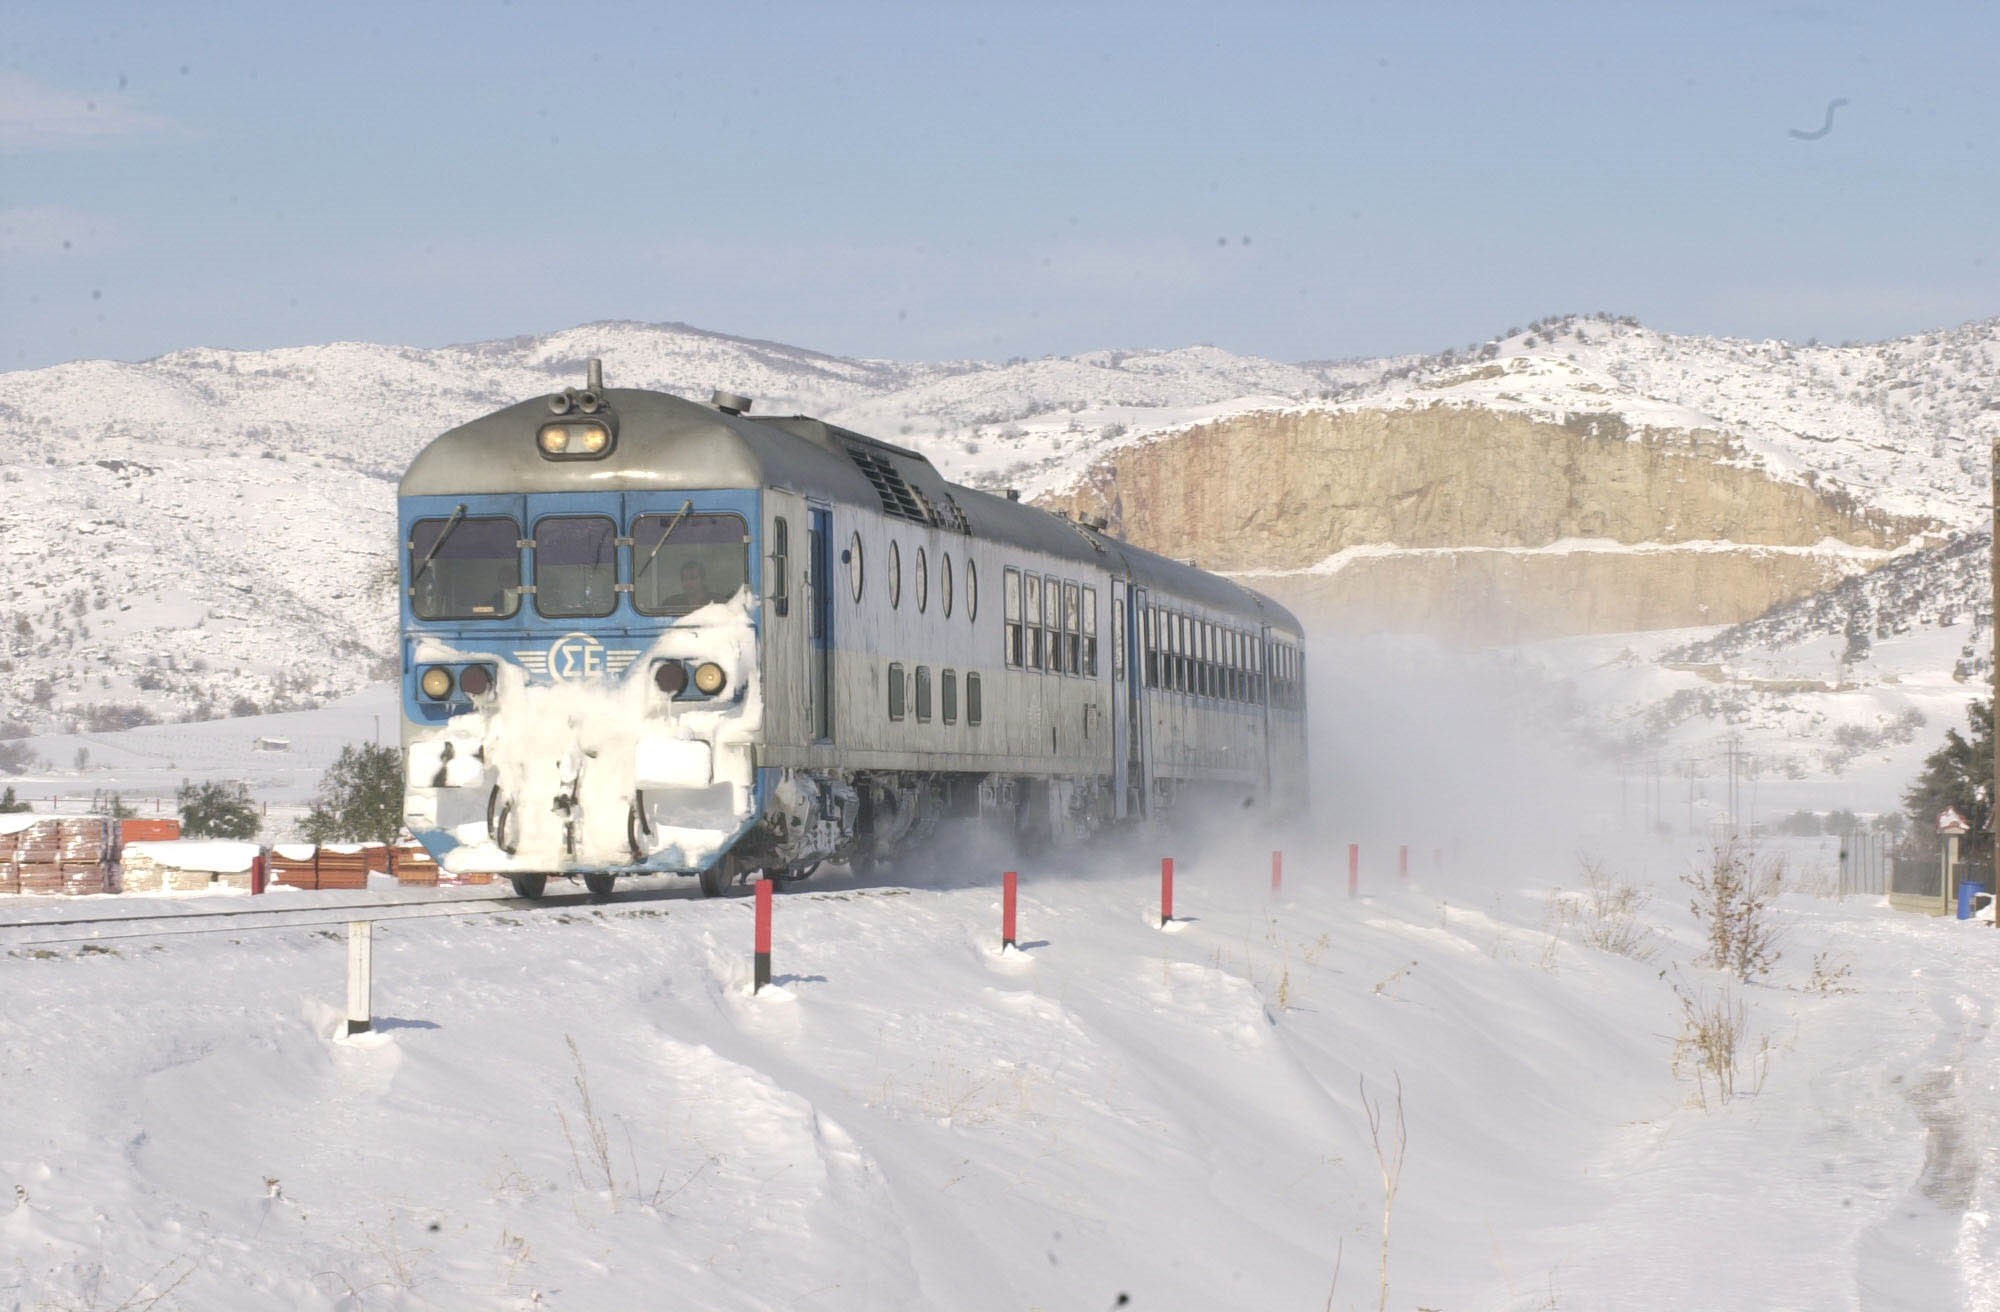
[(576, 656)]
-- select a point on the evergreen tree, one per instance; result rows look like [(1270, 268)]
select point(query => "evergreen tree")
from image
[(9, 804), (360, 798), (217, 811), (1958, 774)]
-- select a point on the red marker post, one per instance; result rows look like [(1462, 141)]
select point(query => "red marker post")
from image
[(1010, 885), (1354, 870), (763, 958), (1277, 873), (1166, 891), (1403, 864)]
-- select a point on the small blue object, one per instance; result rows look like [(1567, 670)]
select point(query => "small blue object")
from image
[(1968, 897)]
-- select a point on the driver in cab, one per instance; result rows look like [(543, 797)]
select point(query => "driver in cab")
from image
[(694, 593)]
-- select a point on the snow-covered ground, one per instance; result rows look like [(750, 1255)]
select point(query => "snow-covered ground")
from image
[(587, 1108)]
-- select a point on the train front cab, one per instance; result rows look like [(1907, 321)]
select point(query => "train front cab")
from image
[(581, 686)]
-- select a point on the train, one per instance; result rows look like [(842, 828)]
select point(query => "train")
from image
[(645, 635)]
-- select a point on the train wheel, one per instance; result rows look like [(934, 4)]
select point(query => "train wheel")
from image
[(530, 886), (600, 883), (715, 880)]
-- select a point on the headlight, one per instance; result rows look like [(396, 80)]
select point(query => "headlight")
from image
[(476, 681), (574, 439), (670, 677), (436, 683), (710, 678)]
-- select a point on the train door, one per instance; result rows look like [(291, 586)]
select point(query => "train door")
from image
[(1264, 650), (1134, 753), (819, 623), (1121, 707)]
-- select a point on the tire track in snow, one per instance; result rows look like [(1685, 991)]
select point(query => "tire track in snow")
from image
[(1914, 1258)]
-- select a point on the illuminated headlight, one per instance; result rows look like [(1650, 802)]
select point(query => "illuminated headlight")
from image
[(670, 677), (436, 683), (575, 438), (709, 678)]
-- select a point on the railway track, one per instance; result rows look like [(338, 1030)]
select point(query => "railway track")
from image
[(125, 923)]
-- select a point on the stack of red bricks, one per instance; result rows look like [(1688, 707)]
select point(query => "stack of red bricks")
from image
[(342, 866), (85, 847), (295, 865), (10, 876), (58, 856), (413, 865)]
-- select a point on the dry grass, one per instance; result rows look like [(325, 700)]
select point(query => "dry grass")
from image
[(1713, 1047), (1605, 913), (1391, 1142)]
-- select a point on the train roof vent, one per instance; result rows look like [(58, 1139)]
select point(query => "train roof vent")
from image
[(898, 497)]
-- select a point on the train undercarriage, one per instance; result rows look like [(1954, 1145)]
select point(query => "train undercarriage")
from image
[(865, 820)]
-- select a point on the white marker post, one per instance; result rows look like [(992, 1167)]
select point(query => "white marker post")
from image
[(360, 941)]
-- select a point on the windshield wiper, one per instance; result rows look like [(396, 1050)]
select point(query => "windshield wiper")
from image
[(450, 525), (668, 532)]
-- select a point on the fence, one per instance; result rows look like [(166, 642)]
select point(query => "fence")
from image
[(1917, 883), (1864, 864)]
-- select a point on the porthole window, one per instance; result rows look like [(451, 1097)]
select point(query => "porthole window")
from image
[(854, 564), (944, 584), (895, 575), (971, 591), (923, 580)]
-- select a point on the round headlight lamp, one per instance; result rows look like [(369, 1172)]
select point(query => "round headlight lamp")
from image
[(476, 681), (436, 683), (595, 439), (670, 677), (709, 678), (555, 439)]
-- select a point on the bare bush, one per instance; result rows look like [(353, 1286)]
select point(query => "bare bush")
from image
[(1605, 913), (1713, 1043), (1735, 902)]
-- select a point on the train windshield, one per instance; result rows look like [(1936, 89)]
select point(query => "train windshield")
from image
[(465, 568), (576, 566), (682, 562)]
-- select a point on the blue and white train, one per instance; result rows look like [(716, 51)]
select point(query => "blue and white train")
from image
[(643, 634)]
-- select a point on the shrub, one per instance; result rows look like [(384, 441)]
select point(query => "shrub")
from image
[(1735, 903), (215, 810), (1605, 914)]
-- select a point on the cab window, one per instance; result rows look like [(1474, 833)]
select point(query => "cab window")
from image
[(684, 562), (576, 566), (465, 568)]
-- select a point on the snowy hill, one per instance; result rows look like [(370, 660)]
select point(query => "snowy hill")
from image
[(208, 532)]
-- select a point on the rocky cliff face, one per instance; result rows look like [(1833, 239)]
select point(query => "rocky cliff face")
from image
[(1483, 525)]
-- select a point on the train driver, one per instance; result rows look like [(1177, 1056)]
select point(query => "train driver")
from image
[(694, 593)]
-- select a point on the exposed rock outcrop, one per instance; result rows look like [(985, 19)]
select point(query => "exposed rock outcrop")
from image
[(1677, 531)]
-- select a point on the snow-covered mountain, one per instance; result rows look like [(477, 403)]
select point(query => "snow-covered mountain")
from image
[(211, 530)]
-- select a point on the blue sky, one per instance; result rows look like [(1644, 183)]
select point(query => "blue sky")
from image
[(934, 180)]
